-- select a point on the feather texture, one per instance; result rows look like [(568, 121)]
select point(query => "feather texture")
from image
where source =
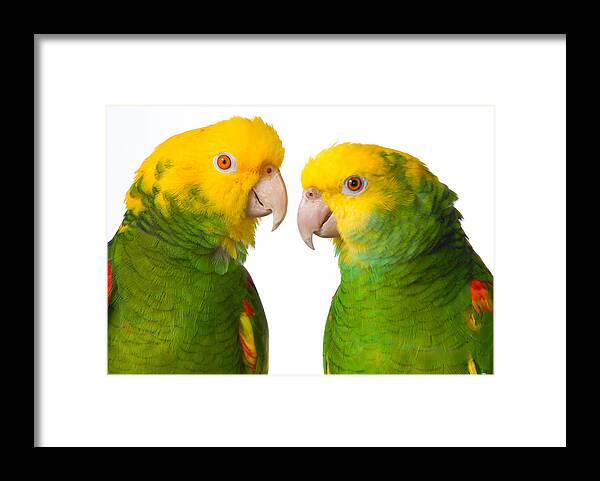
[(180, 300), (414, 296)]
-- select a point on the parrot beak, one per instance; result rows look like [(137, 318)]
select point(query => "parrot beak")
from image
[(268, 196), (315, 217)]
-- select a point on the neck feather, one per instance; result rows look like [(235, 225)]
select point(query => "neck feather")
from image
[(427, 255), (199, 240)]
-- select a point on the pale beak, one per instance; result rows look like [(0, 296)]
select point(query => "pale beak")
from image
[(268, 196), (315, 217)]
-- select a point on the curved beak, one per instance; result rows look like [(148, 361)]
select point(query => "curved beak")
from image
[(268, 196), (315, 217)]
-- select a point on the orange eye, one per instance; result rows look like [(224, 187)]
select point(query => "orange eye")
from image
[(224, 161), (354, 183)]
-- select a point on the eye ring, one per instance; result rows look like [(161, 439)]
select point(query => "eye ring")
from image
[(225, 162), (354, 185)]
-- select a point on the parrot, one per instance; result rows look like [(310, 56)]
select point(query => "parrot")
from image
[(414, 296), (179, 298)]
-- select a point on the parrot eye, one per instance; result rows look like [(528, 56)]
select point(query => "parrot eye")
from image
[(354, 185), (224, 162)]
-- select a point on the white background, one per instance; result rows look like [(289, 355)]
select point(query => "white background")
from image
[(522, 404), (295, 283)]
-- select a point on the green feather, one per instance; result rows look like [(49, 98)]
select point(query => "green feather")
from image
[(177, 295), (403, 304)]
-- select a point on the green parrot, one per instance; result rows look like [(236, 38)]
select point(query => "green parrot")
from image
[(414, 296), (179, 298)]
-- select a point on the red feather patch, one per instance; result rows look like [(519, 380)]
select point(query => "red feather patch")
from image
[(248, 308), (480, 297)]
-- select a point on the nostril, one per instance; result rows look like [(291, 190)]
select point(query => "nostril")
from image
[(312, 194)]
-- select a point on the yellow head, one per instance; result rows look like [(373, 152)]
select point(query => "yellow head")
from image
[(348, 185), (229, 169)]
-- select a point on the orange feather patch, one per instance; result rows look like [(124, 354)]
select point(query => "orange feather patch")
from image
[(247, 335), (249, 353), (471, 321), (480, 296)]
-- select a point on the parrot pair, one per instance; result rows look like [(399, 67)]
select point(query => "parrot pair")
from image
[(414, 296)]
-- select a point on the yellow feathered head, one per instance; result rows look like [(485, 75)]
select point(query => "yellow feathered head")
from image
[(229, 169), (355, 193)]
